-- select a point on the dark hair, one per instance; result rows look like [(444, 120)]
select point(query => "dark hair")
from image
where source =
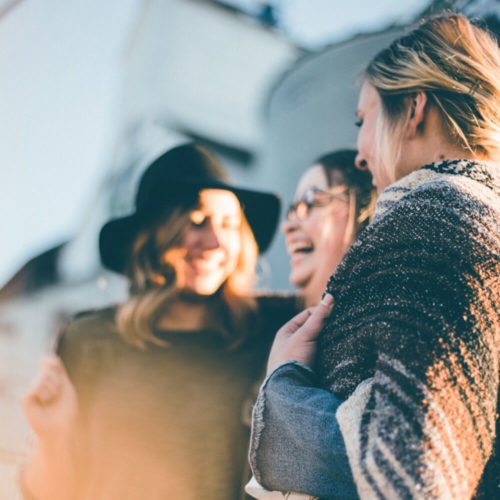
[(339, 168)]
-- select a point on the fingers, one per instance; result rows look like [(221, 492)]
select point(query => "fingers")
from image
[(314, 323), (291, 326), (312, 316), (327, 301), (53, 362), (55, 365), (322, 310), (297, 338), (48, 382)]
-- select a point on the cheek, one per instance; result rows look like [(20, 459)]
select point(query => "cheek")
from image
[(330, 239), (189, 241), (232, 244), (364, 141), (316, 228), (359, 141)]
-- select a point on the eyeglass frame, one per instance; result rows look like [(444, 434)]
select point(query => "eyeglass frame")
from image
[(308, 201)]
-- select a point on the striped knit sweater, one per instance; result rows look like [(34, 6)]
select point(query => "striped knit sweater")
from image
[(413, 340)]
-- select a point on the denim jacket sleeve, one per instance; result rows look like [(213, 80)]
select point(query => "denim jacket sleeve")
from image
[(296, 444)]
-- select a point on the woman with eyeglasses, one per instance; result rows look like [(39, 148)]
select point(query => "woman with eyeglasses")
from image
[(333, 203)]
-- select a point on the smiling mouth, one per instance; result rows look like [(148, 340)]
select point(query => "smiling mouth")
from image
[(300, 248), (205, 267)]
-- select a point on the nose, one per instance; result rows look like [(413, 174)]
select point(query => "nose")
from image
[(360, 162), (289, 225), (210, 237)]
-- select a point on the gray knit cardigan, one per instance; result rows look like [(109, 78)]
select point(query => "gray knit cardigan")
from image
[(412, 344)]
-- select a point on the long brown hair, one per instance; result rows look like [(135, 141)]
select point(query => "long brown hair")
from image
[(153, 282)]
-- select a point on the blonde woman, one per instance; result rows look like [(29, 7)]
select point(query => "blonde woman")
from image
[(402, 401), (145, 400)]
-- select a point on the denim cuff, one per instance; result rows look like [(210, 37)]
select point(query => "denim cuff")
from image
[(290, 371), (294, 372), (296, 444)]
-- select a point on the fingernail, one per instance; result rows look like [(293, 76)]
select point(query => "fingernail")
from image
[(327, 299)]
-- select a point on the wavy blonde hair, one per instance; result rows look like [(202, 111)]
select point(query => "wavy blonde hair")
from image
[(457, 64), (153, 282)]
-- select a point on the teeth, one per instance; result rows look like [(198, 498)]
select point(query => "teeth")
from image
[(205, 265), (300, 246)]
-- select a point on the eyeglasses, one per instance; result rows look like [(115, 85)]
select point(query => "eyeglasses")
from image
[(315, 197)]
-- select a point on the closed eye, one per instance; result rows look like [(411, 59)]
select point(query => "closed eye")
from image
[(231, 223), (197, 218)]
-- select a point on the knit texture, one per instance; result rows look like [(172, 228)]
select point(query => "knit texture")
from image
[(416, 317)]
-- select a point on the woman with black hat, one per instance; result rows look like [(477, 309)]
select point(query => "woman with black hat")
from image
[(145, 400)]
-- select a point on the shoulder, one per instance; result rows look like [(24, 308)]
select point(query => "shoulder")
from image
[(89, 342), (440, 217), (449, 189), (87, 328), (278, 304), (92, 321)]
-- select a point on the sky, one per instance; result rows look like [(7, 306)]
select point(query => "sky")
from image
[(59, 75), (312, 24), (332, 23), (60, 65)]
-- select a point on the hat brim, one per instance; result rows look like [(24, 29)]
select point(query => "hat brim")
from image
[(261, 210)]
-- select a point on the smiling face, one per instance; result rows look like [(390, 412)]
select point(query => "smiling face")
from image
[(316, 242), (211, 243), (368, 157)]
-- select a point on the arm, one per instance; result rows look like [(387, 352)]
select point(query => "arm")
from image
[(422, 429), (408, 437), (51, 409), (424, 299), (296, 444)]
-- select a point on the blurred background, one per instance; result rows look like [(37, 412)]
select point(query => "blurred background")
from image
[(90, 91)]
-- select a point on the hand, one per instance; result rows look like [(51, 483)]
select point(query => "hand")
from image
[(296, 339), (51, 404)]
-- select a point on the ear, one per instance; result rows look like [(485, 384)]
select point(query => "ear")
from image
[(418, 102)]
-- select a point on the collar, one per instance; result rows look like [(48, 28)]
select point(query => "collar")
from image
[(487, 175)]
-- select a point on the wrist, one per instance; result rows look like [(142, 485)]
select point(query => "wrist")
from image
[(294, 372), (56, 445)]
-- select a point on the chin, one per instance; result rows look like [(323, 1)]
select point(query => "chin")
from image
[(204, 289), (299, 280)]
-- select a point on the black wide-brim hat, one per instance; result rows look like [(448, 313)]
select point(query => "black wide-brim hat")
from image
[(180, 172)]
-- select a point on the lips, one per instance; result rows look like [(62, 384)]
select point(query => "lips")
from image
[(204, 266), (298, 247)]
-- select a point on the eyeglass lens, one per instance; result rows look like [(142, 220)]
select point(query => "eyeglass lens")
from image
[(314, 197)]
